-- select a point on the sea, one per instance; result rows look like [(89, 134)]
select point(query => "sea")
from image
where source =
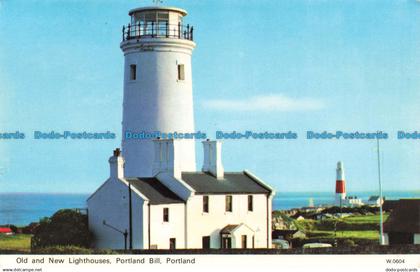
[(21, 209)]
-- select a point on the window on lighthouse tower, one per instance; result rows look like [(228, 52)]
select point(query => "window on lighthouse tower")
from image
[(181, 72), (133, 72), (163, 24)]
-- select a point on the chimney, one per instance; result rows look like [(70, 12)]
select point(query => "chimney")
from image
[(167, 157), (116, 164), (213, 158)]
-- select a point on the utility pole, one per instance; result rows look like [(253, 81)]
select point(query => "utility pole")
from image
[(130, 215), (381, 219)]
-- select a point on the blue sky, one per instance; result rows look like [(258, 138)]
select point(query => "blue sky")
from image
[(279, 65)]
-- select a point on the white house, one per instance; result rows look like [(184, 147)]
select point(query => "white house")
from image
[(181, 209), (375, 201), (154, 197), (353, 201)]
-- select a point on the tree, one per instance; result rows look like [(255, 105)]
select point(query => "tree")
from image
[(65, 227), (14, 228), (30, 229)]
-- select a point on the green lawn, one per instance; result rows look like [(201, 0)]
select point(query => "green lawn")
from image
[(364, 219), (348, 234), (16, 242), (363, 227)]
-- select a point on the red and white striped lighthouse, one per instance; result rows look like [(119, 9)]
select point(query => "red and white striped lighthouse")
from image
[(340, 185)]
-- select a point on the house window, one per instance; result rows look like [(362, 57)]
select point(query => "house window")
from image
[(243, 241), (172, 243), (250, 203), (228, 203), (133, 72), (206, 242), (206, 204), (165, 214), (181, 72)]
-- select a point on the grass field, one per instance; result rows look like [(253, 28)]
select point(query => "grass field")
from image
[(360, 227), (348, 234), (20, 242), (364, 219)]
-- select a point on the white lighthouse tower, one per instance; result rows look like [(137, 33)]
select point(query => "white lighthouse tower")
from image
[(158, 97)]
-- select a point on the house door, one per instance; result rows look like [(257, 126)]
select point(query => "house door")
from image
[(226, 242), (172, 243), (206, 242), (243, 241)]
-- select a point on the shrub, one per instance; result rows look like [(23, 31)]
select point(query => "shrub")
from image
[(13, 228), (70, 250), (62, 250), (30, 229), (64, 228), (348, 243)]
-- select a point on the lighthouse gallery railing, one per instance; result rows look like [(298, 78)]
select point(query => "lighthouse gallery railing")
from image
[(158, 30)]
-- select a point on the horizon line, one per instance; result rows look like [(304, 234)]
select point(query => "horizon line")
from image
[(332, 192)]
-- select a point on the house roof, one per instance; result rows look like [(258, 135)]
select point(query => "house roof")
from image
[(5, 230), (228, 229), (157, 8), (154, 190), (232, 183), (389, 204), (373, 198), (405, 217)]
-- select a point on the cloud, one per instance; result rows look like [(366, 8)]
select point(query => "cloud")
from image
[(266, 103)]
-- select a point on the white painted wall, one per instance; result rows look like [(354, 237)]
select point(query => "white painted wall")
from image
[(201, 224), (270, 230), (237, 237), (110, 203), (161, 232), (386, 239), (157, 100), (417, 238)]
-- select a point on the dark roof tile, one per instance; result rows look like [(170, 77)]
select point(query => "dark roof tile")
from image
[(155, 191), (405, 217), (228, 229), (232, 183)]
